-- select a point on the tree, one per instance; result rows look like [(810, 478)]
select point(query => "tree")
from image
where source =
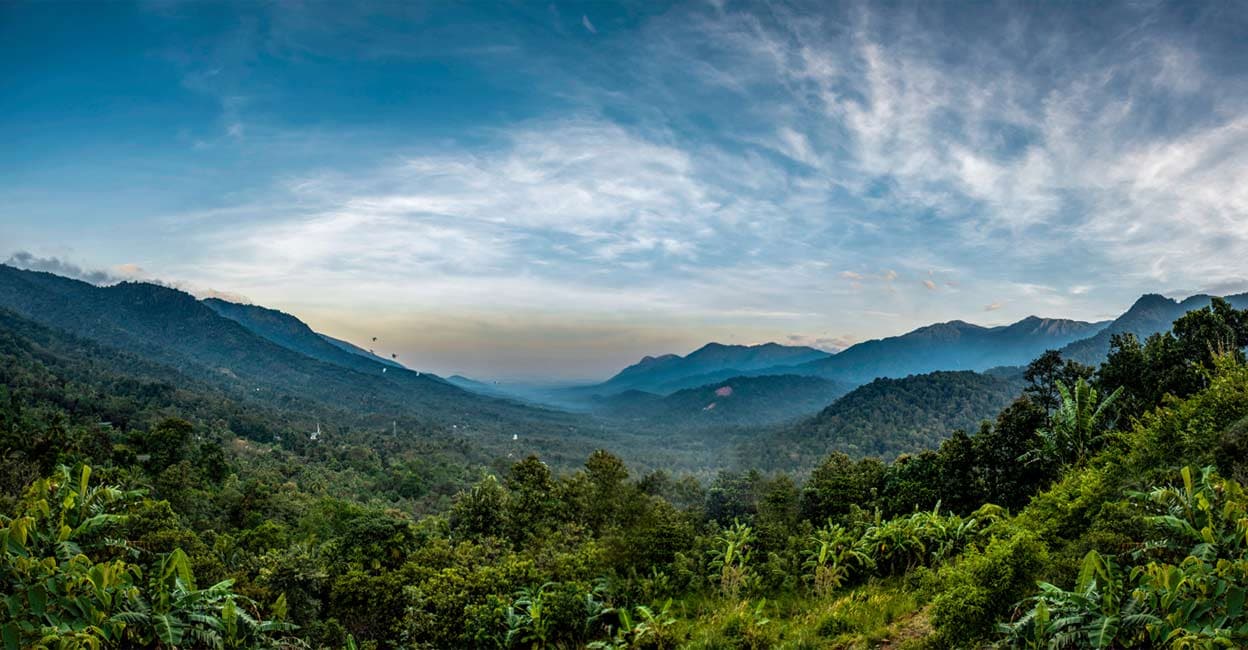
[(166, 444), (609, 491), (532, 503), (1078, 426), (960, 486), (833, 555), (1046, 371), (1002, 450), (832, 488), (481, 511), (730, 559)]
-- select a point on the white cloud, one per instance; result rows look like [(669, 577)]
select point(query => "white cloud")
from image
[(589, 27)]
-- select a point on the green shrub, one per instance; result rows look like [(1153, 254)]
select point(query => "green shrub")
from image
[(983, 587)]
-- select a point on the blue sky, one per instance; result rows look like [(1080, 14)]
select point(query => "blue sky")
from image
[(531, 189)]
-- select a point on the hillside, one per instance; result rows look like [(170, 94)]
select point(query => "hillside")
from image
[(739, 401), (172, 328), (355, 349), (888, 417), (293, 334)]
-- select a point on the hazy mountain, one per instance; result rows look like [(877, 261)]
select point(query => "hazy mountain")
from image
[(888, 417), (737, 401), (955, 345), (1151, 314), (291, 333), (707, 364), (355, 349)]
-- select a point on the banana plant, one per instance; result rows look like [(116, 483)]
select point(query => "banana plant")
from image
[(527, 621), (833, 555), (730, 559), (1101, 612), (1077, 428), (55, 594)]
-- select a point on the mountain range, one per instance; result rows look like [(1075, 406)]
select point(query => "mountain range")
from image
[(270, 357), (955, 345)]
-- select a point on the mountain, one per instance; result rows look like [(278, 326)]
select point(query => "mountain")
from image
[(479, 387), (739, 401), (291, 333), (171, 328), (707, 364), (888, 417), (355, 349), (955, 345), (1151, 314)]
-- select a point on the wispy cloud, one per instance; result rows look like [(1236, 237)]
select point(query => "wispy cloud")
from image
[(772, 169)]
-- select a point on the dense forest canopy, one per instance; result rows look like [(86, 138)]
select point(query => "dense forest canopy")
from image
[(145, 506)]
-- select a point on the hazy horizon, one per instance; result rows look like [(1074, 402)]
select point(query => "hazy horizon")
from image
[(554, 191)]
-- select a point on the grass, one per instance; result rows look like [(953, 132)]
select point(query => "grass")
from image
[(877, 615)]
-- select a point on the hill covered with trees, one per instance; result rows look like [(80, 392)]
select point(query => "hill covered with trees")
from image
[(886, 418)]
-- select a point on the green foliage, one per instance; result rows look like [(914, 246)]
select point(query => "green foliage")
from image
[(366, 540), (730, 562), (887, 418), (982, 586), (833, 555), (62, 590), (1191, 595), (1077, 427)]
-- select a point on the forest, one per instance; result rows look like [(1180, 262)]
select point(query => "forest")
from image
[(1102, 507)]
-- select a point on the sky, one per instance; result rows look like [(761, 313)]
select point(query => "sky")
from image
[(533, 190)]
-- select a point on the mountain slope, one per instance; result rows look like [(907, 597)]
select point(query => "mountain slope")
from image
[(293, 334), (1151, 314), (355, 349), (955, 345), (888, 417), (172, 328), (739, 401), (670, 372)]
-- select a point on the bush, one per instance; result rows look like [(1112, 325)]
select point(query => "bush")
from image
[(984, 586)]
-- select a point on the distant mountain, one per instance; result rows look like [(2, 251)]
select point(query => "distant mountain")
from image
[(479, 387), (1151, 314), (739, 401), (888, 417), (355, 349), (955, 345), (707, 364)]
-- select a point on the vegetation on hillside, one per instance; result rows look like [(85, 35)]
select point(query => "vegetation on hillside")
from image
[(887, 418), (1096, 510)]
